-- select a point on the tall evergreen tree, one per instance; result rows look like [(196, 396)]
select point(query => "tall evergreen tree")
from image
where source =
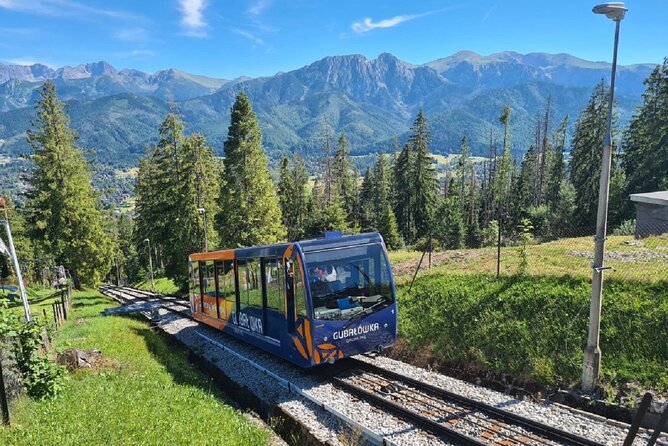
[(425, 184), (367, 203), (645, 142), (63, 209), (249, 210), (586, 153), (416, 183), (292, 196), (176, 179), (557, 169), (344, 180), (385, 221)]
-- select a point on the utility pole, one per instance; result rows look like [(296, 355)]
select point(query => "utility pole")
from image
[(11, 253), (206, 240), (592, 354)]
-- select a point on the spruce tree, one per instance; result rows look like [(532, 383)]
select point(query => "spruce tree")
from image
[(449, 227), (63, 208), (344, 180), (249, 210), (557, 169), (645, 142), (368, 210), (425, 184), (292, 196), (176, 185), (586, 153), (385, 221)]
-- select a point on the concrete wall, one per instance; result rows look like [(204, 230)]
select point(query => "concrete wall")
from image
[(651, 219)]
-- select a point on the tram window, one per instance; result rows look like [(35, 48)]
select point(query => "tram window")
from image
[(300, 294), (243, 284), (254, 285), (194, 278), (273, 271), (209, 279), (220, 276), (226, 281)]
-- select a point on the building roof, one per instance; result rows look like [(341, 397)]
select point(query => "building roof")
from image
[(660, 198)]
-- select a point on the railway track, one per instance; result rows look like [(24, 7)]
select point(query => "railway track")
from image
[(171, 303), (448, 414), (443, 413)]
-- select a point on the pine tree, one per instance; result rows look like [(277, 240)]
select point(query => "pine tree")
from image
[(586, 153), (645, 142), (449, 227), (292, 196), (464, 175), (384, 219), (425, 184), (367, 221), (344, 180), (63, 209), (557, 169), (403, 208), (249, 210), (176, 185)]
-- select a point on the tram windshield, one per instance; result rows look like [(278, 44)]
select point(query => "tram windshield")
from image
[(349, 282)]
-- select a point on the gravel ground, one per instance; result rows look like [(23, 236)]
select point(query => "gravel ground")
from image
[(326, 428)]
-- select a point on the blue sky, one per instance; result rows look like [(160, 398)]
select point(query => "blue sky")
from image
[(260, 37)]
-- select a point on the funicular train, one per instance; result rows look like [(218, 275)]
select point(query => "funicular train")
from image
[(310, 302)]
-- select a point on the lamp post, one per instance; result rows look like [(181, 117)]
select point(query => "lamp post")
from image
[(592, 354), (150, 263), (206, 240)]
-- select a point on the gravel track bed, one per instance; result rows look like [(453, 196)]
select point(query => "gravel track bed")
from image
[(328, 429), (587, 425)]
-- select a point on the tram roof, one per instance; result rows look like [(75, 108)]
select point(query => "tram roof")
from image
[(339, 241)]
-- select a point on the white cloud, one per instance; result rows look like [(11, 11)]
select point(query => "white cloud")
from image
[(132, 35), (61, 8), (259, 6), (368, 24), (135, 54), (192, 18), (252, 37), (22, 62)]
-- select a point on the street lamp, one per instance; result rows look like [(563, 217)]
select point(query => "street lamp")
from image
[(206, 241), (592, 354), (150, 263)]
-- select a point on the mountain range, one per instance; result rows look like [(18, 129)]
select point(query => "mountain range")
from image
[(116, 112)]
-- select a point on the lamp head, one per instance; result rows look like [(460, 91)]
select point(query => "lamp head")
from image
[(202, 210), (613, 10), (146, 240)]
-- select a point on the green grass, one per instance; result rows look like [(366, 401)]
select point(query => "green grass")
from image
[(556, 258), (146, 392), (402, 255), (535, 327), (163, 285)]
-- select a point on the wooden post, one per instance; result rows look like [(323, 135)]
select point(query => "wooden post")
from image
[(44, 312), (55, 314), (63, 300), (3, 397)]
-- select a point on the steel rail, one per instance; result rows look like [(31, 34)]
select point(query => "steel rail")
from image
[(535, 427), (125, 291)]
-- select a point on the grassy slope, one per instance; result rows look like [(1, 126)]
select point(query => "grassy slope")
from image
[(163, 285), (146, 393), (535, 326)]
